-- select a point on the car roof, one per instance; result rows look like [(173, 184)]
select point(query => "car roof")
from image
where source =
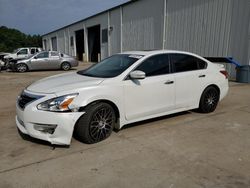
[(49, 51), (154, 52)]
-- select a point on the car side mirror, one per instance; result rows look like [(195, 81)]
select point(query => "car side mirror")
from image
[(35, 57), (137, 75)]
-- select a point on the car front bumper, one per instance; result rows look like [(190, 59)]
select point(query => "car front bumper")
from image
[(56, 128)]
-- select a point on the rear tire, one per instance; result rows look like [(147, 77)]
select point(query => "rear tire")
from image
[(209, 100), (96, 124), (21, 67), (65, 66)]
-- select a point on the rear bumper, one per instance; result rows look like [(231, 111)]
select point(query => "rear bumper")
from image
[(37, 124), (224, 87)]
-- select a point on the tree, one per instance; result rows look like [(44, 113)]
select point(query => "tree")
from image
[(11, 39)]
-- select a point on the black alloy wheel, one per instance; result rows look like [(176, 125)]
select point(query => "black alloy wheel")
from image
[(96, 124), (101, 123), (209, 100)]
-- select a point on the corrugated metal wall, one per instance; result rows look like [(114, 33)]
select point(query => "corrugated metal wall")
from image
[(143, 25), (66, 41), (249, 41), (60, 41), (115, 34), (205, 27), (202, 27), (209, 28), (239, 43)]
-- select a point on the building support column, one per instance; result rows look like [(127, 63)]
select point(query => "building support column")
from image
[(74, 37), (121, 15), (109, 32), (69, 42), (64, 37), (57, 43), (164, 24), (86, 46)]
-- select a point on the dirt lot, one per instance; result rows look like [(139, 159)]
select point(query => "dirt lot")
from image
[(188, 150)]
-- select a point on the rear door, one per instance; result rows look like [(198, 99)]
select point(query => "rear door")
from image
[(33, 51), (54, 60), (153, 95), (190, 76), (40, 61)]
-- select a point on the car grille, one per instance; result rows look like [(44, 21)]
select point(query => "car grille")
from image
[(26, 98)]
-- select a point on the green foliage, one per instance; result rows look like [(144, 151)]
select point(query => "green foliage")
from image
[(11, 39)]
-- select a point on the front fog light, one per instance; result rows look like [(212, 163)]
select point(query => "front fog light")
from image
[(45, 128)]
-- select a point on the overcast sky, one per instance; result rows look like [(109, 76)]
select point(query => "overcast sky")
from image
[(43, 16)]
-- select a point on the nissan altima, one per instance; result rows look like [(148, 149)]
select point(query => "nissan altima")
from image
[(122, 89)]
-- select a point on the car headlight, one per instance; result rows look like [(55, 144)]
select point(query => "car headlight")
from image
[(58, 104)]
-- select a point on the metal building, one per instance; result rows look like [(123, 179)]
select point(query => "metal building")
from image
[(215, 28)]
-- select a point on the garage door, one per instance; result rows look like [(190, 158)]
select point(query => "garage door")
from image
[(54, 43)]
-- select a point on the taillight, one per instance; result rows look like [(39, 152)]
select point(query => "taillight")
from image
[(225, 73)]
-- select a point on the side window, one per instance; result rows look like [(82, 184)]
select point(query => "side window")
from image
[(33, 50), (71, 41), (23, 52), (43, 55), (202, 64), (183, 63), (156, 65), (54, 54), (104, 35)]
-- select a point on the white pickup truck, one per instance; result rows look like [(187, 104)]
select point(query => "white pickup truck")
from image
[(21, 53)]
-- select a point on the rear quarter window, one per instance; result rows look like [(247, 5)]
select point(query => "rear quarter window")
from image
[(184, 62), (202, 64), (54, 54)]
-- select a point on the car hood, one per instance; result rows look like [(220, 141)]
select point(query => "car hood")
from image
[(63, 82), (22, 60), (3, 53)]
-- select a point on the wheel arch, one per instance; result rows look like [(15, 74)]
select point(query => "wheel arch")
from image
[(27, 65), (212, 85), (201, 107), (112, 104), (65, 62)]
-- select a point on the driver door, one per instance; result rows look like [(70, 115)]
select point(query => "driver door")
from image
[(153, 95), (23, 53), (40, 61)]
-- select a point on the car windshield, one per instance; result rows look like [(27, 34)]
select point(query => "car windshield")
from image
[(32, 55), (16, 50), (111, 67)]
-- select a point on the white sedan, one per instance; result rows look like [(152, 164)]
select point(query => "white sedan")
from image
[(122, 89)]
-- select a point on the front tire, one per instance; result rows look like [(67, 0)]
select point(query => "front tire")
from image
[(21, 67), (209, 100), (65, 66), (96, 124)]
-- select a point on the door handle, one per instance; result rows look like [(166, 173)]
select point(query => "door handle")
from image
[(202, 76), (169, 82)]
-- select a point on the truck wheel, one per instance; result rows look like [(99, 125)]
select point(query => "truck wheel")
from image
[(96, 124), (21, 67)]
